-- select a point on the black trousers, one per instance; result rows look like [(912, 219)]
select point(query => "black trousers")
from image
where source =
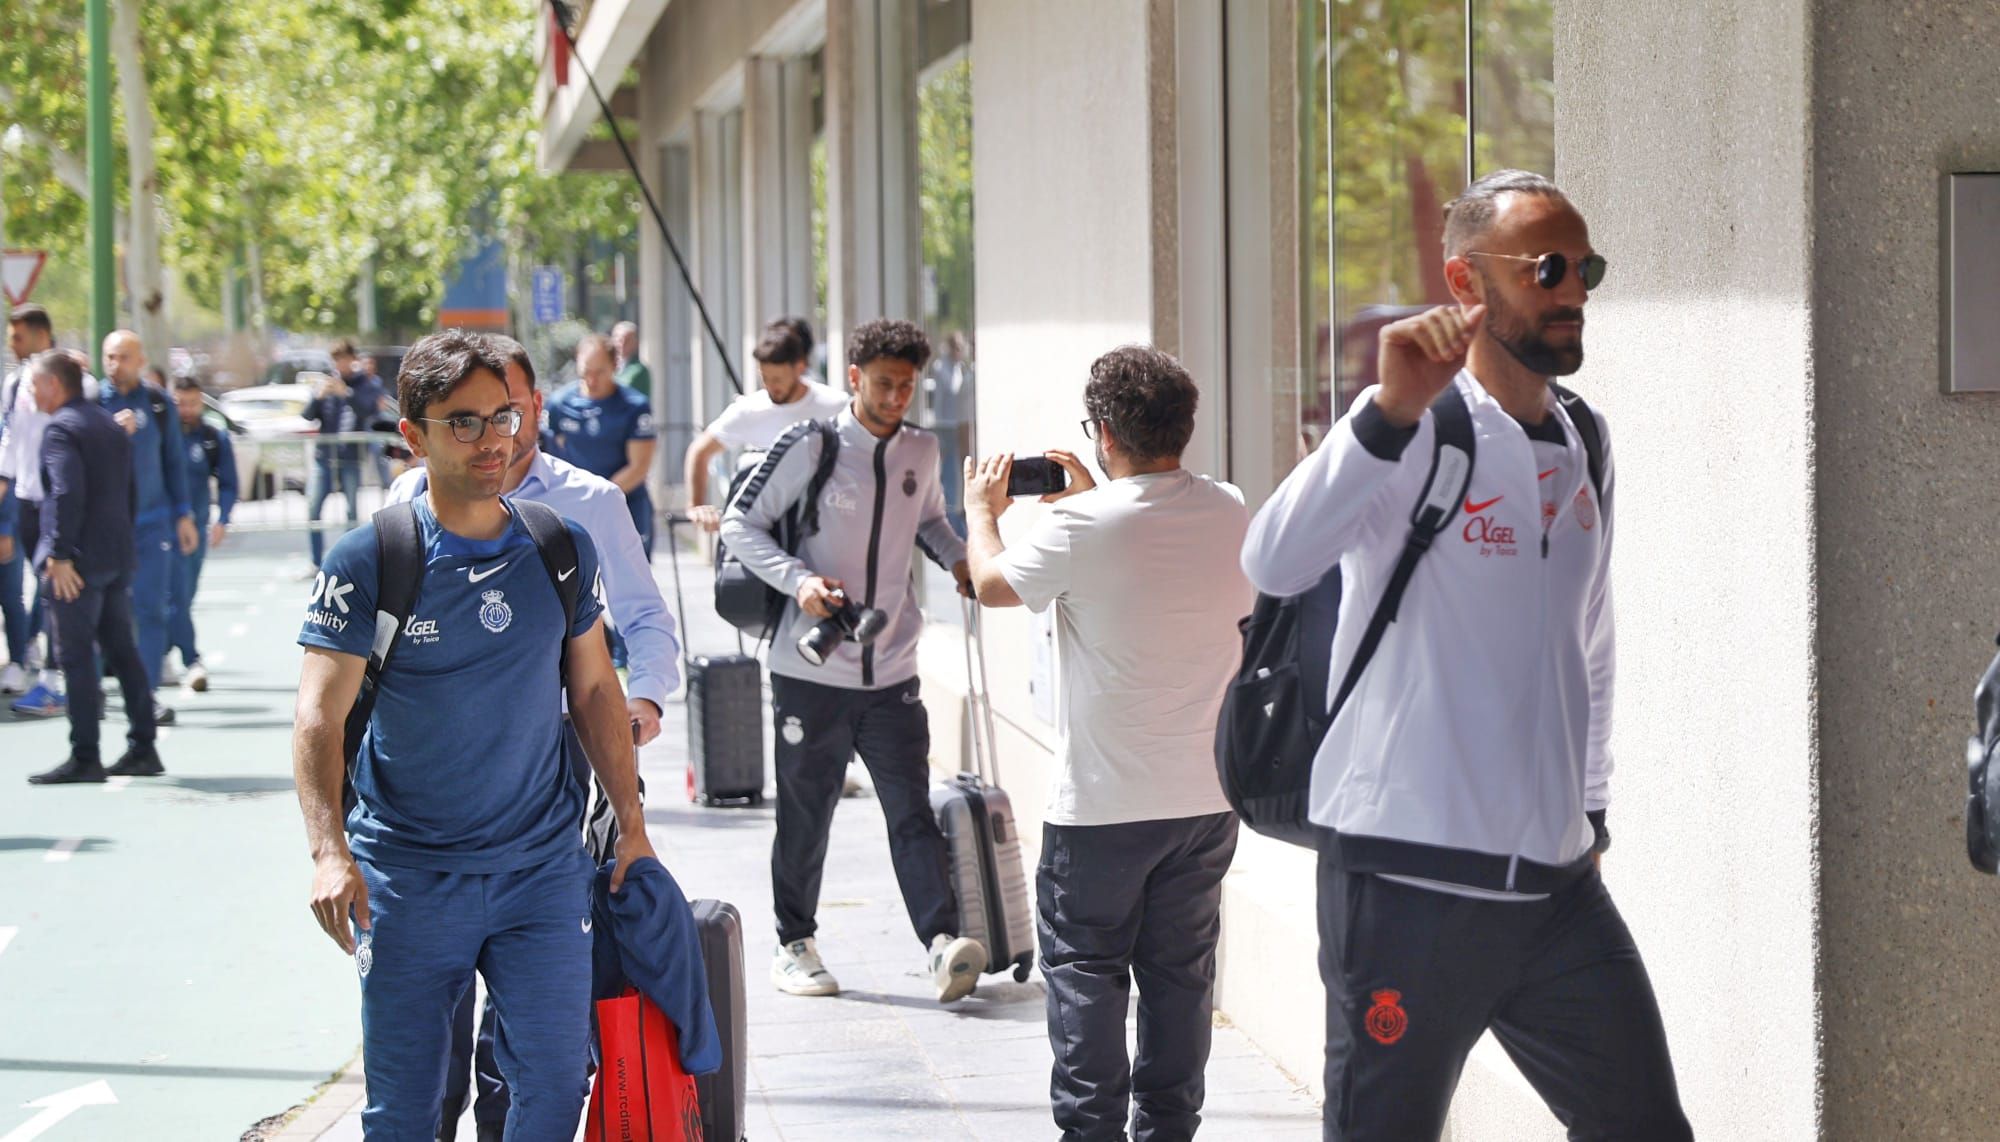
[(28, 536), (818, 728), (100, 620), (1414, 976), (1116, 903)]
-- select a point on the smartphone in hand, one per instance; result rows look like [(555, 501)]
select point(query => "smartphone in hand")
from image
[(1036, 476)]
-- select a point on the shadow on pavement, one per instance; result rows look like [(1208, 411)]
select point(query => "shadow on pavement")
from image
[(236, 787), (81, 1067), (30, 844)]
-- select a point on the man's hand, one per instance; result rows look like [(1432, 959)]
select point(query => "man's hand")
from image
[(6, 549), (216, 533), (645, 720), (189, 537), (632, 844), (127, 420), (816, 596), (1419, 357), (962, 571), (1080, 479), (986, 484), (64, 582), (333, 386), (707, 517), (337, 889)]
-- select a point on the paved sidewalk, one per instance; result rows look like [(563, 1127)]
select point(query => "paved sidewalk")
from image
[(882, 1060)]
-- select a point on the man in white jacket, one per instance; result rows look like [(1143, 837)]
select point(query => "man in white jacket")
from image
[(1460, 790)]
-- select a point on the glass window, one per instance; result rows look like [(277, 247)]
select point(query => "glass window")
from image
[(944, 200), (1514, 86)]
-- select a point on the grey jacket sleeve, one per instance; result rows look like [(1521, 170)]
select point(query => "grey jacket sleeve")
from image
[(750, 522), (935, 536)]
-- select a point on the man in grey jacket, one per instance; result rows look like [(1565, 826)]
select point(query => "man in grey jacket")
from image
[(882, 500)]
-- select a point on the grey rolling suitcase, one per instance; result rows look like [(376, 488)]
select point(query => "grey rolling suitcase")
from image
[(977, 819), (725, 720), (723, 1096)]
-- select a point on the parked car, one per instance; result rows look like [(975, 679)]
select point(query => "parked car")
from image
[(270, 414), (287, 365)]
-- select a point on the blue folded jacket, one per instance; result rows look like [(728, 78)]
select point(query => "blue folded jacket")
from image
[(654, 947)]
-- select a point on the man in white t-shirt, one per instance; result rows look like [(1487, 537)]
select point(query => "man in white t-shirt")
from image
[(1147, 592), (754, 420)]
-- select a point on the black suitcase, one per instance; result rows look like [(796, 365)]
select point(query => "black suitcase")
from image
[(723, 1095), (725, 720), (977, 819)]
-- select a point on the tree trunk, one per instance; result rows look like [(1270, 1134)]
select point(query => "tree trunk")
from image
[(145, 277)]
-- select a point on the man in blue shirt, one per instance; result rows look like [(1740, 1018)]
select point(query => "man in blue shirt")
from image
[(640, 615), (462, 853), (85, 558), (603, 427), (165, 520), (348, 402), (209, 456)]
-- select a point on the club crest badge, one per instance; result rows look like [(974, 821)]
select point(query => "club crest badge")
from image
[(494, 613), (1387, 1020), (794, 730), (1586, 510), (910, 481)]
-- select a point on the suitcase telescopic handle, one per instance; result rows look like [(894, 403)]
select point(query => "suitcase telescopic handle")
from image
[(978, 698)]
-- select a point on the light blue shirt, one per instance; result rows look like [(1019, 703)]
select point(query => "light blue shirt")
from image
[(597, 504)]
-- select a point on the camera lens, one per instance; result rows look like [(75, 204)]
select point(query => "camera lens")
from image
[(819, 642), (869, 623)]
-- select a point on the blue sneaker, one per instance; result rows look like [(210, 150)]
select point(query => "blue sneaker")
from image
[(41, 702)]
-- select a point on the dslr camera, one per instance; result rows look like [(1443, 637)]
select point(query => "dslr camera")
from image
[(850, 620)]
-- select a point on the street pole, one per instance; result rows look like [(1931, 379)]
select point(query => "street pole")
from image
[(103, 282)]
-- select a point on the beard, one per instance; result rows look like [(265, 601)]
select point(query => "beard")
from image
[(1525, 341)]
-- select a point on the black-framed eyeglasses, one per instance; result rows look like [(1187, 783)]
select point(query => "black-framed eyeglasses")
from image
[(1551, 268), (1090, 424), (467, 428)]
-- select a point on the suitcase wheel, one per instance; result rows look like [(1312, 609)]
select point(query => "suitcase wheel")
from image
[(757, 798), (1021, 969)]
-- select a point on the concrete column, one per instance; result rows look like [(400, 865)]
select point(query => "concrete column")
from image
[(672, 350), (717, 252), (777, 205), (873, 251)]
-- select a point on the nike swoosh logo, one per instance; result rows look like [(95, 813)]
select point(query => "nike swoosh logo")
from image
[(476, 576), (1546, 475), (564, 576), (1474, 509), (586, 925)]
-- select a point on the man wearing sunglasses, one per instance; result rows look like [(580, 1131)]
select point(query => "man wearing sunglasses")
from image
[(1461, 788), (462, 851)]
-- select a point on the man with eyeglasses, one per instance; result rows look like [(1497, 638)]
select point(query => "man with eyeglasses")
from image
[(462, 851), (1460, 791)]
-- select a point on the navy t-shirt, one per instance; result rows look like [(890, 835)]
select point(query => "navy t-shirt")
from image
[(592, 434), (461, 768)]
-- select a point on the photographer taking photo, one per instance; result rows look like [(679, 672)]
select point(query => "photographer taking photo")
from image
[(854, 693), (1143, 576)]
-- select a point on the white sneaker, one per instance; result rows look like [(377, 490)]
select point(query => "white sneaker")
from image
[(168, 675), (197, 677), (796, 970), (13, 679), (956, 962)]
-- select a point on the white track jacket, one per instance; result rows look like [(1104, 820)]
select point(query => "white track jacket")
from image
[(1476, 740)]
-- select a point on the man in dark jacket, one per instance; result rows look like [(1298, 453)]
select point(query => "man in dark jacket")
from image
[(86, 558)]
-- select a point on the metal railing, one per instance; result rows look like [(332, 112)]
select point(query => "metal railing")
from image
[(281, 479)]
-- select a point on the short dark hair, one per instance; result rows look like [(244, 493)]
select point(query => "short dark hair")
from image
[(439, 363), (59, 364), (343, 348), (888, 337), (1467, 217), (599, 340), (515, 352), (187, 384), (804, 329), (780, 345), (1147, 399), (34, 317), (157, 375)]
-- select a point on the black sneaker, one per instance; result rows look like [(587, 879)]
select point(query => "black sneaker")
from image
[(139, 761), (163, 715), (73, 771)]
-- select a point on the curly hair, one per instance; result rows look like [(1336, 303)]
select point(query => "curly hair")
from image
[(888, 337), (1146, 397), (441, 362)]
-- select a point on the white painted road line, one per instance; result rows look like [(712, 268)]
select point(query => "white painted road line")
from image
[(238, 630), (62, 850), (116, 784), (7, 937)]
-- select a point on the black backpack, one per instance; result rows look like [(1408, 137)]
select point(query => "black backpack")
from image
[(1982, 802), (1274, 713), (399, 549), (743, 600)]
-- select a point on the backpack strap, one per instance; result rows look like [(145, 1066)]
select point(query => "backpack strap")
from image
[(399, 561), (1587, 431), (1452, 452), (829, 451), (557, 547)]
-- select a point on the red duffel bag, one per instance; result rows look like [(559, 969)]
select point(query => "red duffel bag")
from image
[(641, 1094)]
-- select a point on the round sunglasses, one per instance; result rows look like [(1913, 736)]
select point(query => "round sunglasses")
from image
[(1551, 268)]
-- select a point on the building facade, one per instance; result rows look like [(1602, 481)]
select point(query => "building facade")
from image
[(1255, 186)]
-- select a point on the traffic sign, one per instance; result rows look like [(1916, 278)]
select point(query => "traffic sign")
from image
[(19, 270), (548, 294)]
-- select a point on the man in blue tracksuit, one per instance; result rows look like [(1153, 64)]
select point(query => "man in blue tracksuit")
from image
[(209, 456), (347, 403), (607, 429), (462, 851), (164, 526)]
